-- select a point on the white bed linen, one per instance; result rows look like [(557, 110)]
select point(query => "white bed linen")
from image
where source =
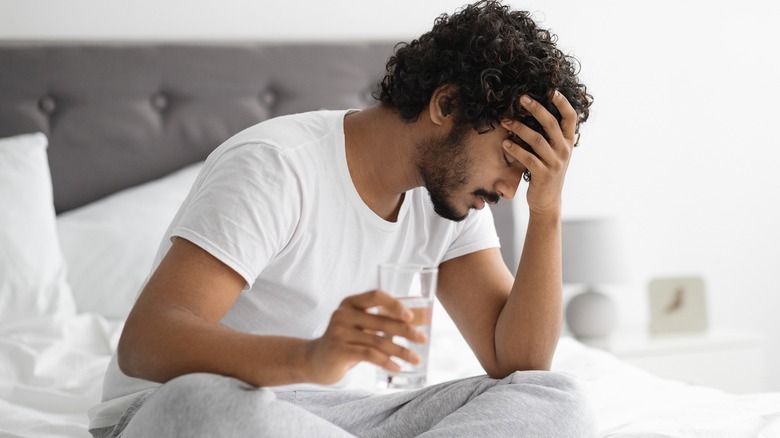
[(118, 237), (32, 268), (51, 372)]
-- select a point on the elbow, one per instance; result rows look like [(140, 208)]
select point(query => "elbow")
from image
[(127, 355), (123, 357), (501, 372), (527, 361), (125, 367), (541, 364), (529, 354)]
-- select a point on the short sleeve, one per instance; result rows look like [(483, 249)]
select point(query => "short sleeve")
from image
[(243, 209), (475, 233)]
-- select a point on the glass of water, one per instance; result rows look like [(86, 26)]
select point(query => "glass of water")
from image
[(415, 286)]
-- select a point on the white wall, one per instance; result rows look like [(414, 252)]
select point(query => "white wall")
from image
[(682, 143)]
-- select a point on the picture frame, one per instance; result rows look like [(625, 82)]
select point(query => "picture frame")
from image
[(677, 305)]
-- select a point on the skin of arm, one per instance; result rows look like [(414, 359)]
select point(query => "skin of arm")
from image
[(514, 324), (174, 329)]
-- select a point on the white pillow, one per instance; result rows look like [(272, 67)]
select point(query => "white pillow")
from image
[(110, 244), (32, 270)]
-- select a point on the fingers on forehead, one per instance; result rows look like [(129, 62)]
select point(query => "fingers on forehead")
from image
[(554, 105)]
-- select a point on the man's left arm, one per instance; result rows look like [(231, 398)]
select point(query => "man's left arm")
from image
[(507, 331), (514, 324)]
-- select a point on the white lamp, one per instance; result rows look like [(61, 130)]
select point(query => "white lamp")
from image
[(593, 256)]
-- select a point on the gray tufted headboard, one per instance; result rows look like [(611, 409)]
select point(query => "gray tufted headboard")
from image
[(118, 115)]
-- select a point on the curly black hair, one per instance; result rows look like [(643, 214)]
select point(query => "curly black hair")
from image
[(491, 55)]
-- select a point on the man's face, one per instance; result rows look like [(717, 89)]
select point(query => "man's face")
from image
[(464, 170)]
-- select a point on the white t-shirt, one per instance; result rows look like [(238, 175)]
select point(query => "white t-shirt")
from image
[(277, 204)]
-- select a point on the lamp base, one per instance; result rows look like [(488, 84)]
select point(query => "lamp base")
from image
[(591, 315)]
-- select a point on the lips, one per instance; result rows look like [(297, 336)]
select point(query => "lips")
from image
[(484, 197), (481, 202)]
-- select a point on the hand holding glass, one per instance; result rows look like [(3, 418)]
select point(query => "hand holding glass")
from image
[(415, 287)]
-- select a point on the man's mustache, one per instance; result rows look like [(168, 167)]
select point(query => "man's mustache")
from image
[(491, 198)]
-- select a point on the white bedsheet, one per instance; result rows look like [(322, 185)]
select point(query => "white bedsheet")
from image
[(51, 372)]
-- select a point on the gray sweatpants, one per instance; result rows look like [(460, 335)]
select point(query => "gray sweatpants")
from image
[(524, 404)]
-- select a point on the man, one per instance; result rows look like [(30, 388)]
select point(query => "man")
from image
[(259, 301)]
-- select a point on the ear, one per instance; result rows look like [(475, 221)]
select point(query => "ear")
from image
[(442, 105)]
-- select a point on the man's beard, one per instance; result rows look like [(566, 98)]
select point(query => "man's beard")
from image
[(444, 166)]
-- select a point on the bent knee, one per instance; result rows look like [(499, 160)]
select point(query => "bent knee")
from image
[(200, 391), (562, 398), (546, 381), (202, 402), (198, 382)]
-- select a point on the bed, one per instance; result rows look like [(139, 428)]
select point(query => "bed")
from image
[(99, 143)]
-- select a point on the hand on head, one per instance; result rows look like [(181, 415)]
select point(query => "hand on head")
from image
[(550, 157)]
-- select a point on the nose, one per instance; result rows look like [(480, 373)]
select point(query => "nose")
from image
[(507, 185)]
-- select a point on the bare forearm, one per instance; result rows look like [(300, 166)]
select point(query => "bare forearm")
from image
[(164, 344), (529, 325)]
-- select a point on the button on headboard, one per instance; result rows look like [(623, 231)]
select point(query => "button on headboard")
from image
[(118, 115)]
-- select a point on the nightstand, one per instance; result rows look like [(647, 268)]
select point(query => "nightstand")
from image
[(731, 360)]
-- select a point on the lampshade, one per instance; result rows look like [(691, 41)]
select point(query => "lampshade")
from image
[(593, 251), (592, 255)]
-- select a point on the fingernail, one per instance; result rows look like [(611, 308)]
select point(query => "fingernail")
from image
[(506, 144), (408, 315), (557, 93), (525, 100), (421, 337)]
